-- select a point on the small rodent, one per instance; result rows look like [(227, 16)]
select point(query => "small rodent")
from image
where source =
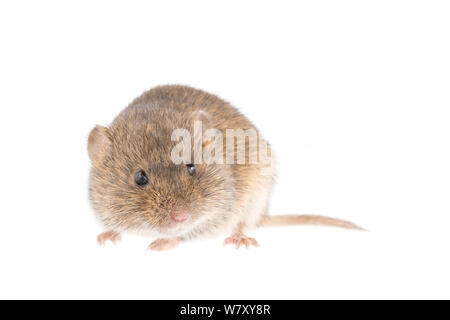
[(135, 186)]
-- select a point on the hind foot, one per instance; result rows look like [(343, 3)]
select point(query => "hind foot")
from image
[(163, 244), (241, 240), (108, 235)]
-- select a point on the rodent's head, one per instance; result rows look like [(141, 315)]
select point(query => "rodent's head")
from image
[(135, 186)]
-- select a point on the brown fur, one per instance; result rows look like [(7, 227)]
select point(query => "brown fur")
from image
[(219, 197)]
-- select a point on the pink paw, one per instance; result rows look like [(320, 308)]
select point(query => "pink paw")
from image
[(108, 235), (241, 240), (163, 244)]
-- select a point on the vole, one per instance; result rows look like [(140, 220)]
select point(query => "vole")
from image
[(136, 186)]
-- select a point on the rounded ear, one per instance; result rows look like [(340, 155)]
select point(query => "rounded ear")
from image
[(98, 144)]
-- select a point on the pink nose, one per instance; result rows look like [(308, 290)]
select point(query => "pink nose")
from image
[(179, 214)]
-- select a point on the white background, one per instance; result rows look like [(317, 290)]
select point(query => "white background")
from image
[(353, 95)]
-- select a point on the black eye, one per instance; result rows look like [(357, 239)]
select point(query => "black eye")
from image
[(141, 178), (191, 169)]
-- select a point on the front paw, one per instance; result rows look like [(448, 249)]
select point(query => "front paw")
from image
[(108, 235), (163, 244)]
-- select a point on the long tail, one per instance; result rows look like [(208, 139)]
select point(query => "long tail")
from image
[(286, 220)]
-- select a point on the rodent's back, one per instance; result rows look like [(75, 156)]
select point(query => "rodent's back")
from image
[(180, 103)]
